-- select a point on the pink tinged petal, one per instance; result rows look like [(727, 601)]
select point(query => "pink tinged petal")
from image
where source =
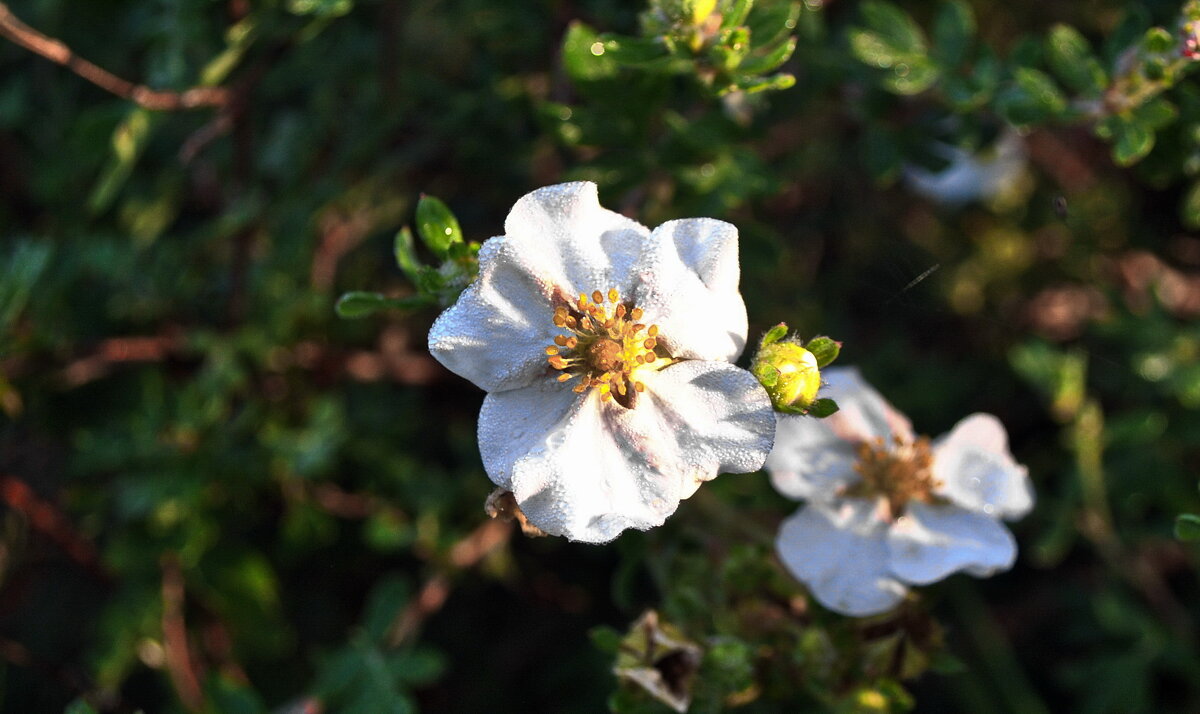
[(559, 242), (863, 414), (930, 542), (708, 417), (840, 553), (687, 284), (569, 240), (978, 472), (809, 461)]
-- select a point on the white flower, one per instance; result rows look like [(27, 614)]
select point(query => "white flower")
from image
[(605, 348), (969, 177), (885, 509)]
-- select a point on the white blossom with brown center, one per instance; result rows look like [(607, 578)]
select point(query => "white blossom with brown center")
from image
[(605, 349), (886, 509)]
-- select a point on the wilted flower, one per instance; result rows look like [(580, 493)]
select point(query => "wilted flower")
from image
[(604, 348), (886, 509)]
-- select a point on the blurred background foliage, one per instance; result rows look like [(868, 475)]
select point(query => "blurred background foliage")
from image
[(217, 496)]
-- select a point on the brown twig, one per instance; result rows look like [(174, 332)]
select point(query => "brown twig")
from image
[(59, 53), (177, 651), (47, 519), (464, 554)]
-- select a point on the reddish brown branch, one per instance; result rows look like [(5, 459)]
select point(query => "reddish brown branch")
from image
[(176, 648), (45, 518), (464, 554), (59, 53)]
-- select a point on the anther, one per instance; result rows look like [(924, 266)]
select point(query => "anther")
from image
[(565, 376), (551, 350), (639, 386), (649, 343), (613, 295), (653, 331), (636, 314), (598, 297)]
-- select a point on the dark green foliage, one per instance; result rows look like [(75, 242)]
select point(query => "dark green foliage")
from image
[(199, 456)]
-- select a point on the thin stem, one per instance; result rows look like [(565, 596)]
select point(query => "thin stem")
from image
[(58, 52)]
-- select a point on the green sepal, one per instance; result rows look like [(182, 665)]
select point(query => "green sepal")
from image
[(437, 225), (774, 334), (825, 349), (822, 408)]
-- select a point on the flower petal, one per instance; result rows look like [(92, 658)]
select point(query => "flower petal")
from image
[(687, 284), (587, 469), (863, 414), (560, 242), (977, 471), (930, 542), (571, 241), (809, 460), (840, 553), (716, 418)]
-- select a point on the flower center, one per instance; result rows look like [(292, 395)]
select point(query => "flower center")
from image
[(605, 346), (900, 473)]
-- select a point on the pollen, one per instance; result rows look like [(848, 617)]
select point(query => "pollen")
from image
[(898, 473), (605, 345)]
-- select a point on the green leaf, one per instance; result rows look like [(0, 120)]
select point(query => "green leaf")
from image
[(1155, 114), (1032, 99), (953, 31), (584, 57), (1187, 526), (1189, 209), (129, 139), (736, 14), (881, 154), (384, 604), (769, 23), (417, 667), (822, 408), (774, 334), (894, 27), (357, 304), (437, 225), (765, 84), (1158, 41), (406, 254), (605, 638), (771, 61), (1071, 59), (633, 51), (911, 78), (826, 350), (1133, 141)]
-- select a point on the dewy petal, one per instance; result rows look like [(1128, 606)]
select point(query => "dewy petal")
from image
[(686, 281), (863, 414), (840, 553), (809, 460), (559, 242), (977, 471), (587, 469), (570, 240), (930, 542), (716, 418)]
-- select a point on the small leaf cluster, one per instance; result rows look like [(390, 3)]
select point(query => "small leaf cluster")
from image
[(441, 234)]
